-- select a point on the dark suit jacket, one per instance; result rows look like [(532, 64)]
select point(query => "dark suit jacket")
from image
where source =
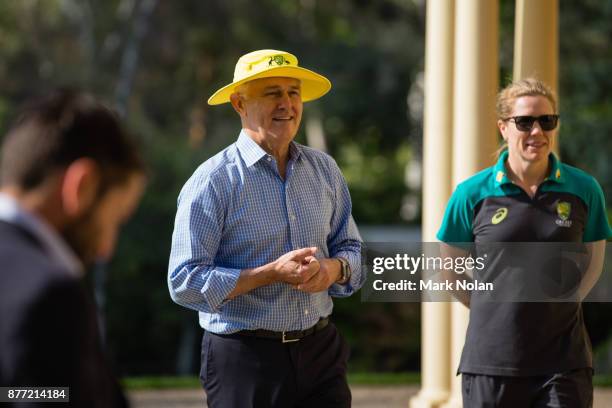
[(48, 327)]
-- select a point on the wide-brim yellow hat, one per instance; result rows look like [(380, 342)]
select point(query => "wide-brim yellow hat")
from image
[(273, 63)]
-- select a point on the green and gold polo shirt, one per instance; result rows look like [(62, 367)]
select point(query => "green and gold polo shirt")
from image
[(567, 207), (519, 338)]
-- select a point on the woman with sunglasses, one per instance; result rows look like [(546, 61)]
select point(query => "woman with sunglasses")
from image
[(527, 354)]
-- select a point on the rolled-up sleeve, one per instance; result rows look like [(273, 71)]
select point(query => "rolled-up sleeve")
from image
[(344, 240), (194, 280)]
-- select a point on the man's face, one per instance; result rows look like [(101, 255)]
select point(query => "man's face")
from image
[(273, 108), (93, 235)]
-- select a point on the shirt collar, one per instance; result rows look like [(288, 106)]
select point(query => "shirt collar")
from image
[(556, 173), (501, 177), (294, 151), (251, 152), (12, 212)]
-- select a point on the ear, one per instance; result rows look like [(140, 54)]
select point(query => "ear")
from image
[(237, 102), (79, 187), (502, 126)]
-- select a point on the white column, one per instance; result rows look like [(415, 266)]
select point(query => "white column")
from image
[(474, 128), (536, 40), (437, 147)]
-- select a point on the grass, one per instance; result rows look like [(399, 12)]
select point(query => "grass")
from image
[(155, 383), (363, 378), (602, 380)]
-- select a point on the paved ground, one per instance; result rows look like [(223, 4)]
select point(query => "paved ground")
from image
[(363, 397)]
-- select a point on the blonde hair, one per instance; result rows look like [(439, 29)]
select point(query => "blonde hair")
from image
[(523, 87)]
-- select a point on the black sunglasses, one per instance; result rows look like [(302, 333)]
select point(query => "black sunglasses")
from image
[(525, 123)]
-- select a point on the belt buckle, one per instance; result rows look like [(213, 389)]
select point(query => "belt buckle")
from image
[(285, 340)]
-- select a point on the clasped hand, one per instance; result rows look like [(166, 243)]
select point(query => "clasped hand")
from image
[(301, 269)]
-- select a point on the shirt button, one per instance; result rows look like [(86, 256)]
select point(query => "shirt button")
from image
[(292, 217), (269, 159), (306, 311)]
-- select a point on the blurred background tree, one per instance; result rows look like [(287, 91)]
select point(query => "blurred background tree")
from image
[(158, 61)]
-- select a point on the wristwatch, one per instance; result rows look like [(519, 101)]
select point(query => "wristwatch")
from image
[(345, 272)]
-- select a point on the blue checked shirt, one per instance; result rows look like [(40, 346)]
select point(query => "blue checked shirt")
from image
[(236, 212)]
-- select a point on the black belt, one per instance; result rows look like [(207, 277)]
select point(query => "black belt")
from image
[(286, 336)]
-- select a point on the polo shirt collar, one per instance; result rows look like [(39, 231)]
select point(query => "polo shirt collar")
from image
[(251, 152), (499, 170), (556, 172), (501, 177)]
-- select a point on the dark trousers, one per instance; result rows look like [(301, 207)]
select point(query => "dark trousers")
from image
[(572, 389), (240, 371)]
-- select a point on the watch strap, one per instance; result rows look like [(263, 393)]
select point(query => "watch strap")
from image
[(345, 271)]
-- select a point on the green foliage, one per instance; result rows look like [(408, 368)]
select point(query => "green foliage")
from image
[(585, 88), (375, 178)]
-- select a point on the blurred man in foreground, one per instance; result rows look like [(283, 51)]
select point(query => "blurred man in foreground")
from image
[(69, 178)]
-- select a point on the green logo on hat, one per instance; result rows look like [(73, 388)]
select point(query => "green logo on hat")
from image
[(564, 209), (278, 60)]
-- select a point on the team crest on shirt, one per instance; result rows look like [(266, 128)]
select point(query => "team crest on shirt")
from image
[(499, 215), (564, 210)]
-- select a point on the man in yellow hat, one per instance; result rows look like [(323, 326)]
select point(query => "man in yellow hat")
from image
[(263, 238)]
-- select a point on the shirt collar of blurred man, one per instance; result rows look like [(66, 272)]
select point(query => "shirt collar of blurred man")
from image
[(13, 213)]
